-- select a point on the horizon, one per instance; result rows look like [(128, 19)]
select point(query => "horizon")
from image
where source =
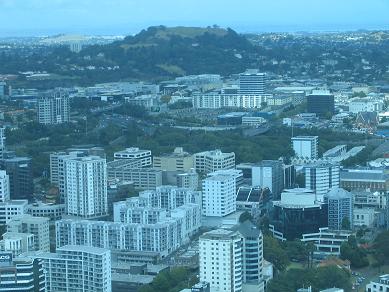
[(240, 30)]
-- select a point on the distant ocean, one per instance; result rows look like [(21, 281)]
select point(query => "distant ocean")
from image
[(133, 28)]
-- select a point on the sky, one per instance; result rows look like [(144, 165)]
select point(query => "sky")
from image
[(123, 17)]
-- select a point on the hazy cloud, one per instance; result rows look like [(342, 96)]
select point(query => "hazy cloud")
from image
[(123, 16)]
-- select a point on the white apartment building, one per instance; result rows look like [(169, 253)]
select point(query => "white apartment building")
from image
[(211, 161), (12, 208), (38, 226), (54, 108), (232, 259), (306, 146), (157, 221), (321, 177), (86, 186), (217, 100), (4, 186), (2, 142), (382, 284), (76, 269), (144, 156), (219, 195)]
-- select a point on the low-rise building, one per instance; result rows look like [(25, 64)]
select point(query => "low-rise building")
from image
[(11, 209), (380, 285), (52, 211), (363, 179), (211, 161), (179, 160), (327, 242), (364, 217), (38, 226), (136, 154)]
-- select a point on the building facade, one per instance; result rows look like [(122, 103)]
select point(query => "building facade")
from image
[(134, 153), (306, 146), (211, 161), (219, 195), (21, 274), (232, 259), (179, 160), (4, 187), (54, 108), (38, 226), (252, 82), (86, 187), (321, 177), (340, 208), (76, 268), (19, 170)]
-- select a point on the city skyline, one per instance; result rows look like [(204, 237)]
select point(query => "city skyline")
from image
[(119, 17)]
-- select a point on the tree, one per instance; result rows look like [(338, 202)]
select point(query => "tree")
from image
[(274, 253), (245, 216), (349, 250), (318, 278), (346, 225), (381, 245)]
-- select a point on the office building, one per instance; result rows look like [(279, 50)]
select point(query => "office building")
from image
[(321, 102), (12, 208), (38, 226), (340, 208), (134, 153), (269, 174), (306, 147), (76, 269), (255, 200), (219, 195), (211, 161), (289, 176), (321, 177), (252, 82), (52, 211), (86, 187), (54, 108), (379, 285), (21, 274), (142, 178), (297, 213), (179, 160), (188, 180), (2, 142), (232, 259), (19, 170), (4, 187)]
